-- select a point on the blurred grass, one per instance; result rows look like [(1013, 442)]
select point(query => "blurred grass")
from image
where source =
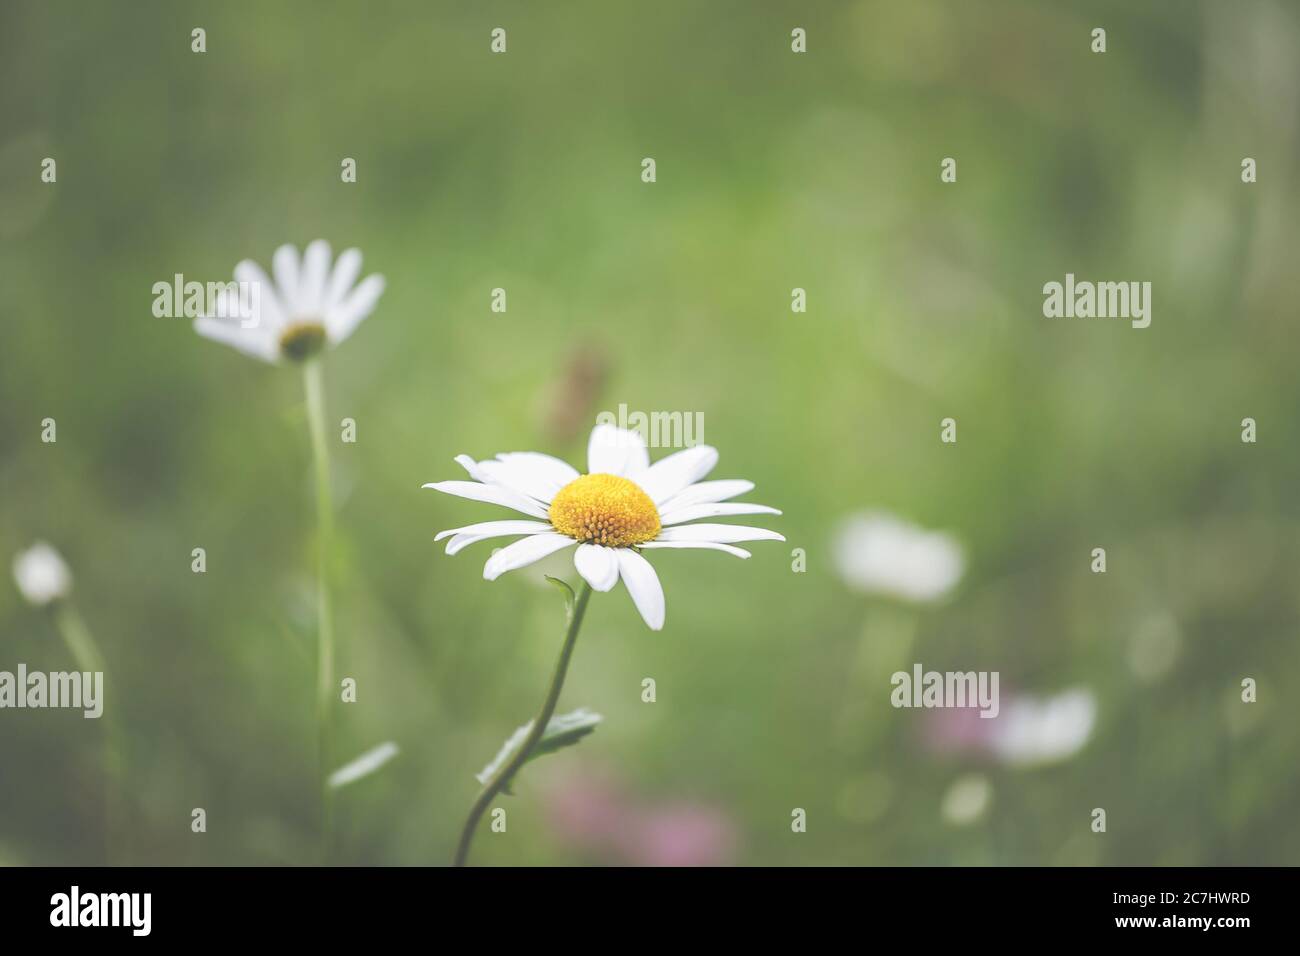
[(774, 171)]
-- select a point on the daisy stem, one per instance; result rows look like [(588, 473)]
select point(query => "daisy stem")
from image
[(315, 390), (85, 652), (504, 773), (76, 636)]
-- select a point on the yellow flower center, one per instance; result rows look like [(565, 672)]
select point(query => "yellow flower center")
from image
[(301, 340), (605, 509)]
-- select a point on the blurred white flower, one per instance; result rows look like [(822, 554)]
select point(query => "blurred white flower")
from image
[(1044, 730), (41, 574), (966, 800), (308, 306), (879, 553)]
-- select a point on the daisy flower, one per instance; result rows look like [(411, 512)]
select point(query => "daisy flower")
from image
[(41, 574), (310, 305), (879, 553), (1035, 730), (621, 507), (1030, 729), (313, 303)]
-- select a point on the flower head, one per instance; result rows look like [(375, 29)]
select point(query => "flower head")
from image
[(41, 574), (309, 306), (1030, 730), (878, 553), (621, 507), (1038, 730)]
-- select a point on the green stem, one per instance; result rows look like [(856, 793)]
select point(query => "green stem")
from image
[(507, 770), (85, 652), (77, 637), (315, 390)]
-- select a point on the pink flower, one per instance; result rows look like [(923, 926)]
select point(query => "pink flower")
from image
[(683, 834), (595, 814)]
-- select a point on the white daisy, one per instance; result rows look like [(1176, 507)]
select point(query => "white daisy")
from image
[(41, 574), (1033, 730), (621, 507), (878, 553), (309, 305)]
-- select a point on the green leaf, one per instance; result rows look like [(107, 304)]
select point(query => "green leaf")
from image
[(563, 730), (569, 596)]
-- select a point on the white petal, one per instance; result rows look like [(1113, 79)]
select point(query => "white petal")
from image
[(598, 565), (493, 494), (616, 451), (315, 270), (471, 466), (284, 266), (239, 305), (522, 476), (503, 527), (343, 319), (718, 533), (695, 512), (709, 545), (555, 470), (270, 311), (707, 491), (224, 306), (491, 529), (670, 475), (643, 584), (516, 479), (524, 552), (255, 341), (345, 273), (460, 542)]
